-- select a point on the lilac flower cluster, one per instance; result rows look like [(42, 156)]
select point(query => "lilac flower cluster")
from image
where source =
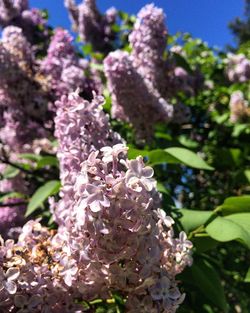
[(11, 9), (29, 277), (132, 98), (31, 21), (139, 82), (92, 26), (28, 89), (148, 41), (124, 238), (22, 99), (238, 68), (63, 69), (239, 109), (23, 104), (80, 127), (112, 235)]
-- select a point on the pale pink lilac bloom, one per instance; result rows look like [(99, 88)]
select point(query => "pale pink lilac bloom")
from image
[(22, 98), (133, 99), (31, 21), (148, 41), (64, 70), (122, 237), (92, 26), (237, 68), (239, 108)]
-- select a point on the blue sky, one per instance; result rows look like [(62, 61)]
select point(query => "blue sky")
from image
[(207, 19)]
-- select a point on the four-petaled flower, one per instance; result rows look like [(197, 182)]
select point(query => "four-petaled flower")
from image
[(166, 220), (111, 153), (95, 198), (138, 175)]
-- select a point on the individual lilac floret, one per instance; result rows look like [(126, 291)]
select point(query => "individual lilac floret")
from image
[(92, 26), (239, 110), (148, 41), (64, 69), (238, 68), (132, 98)]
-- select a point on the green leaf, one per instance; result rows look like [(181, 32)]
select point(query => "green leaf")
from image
[(173, 155), (30, 156), (238, 129), (42, 194), (247, 278), (235, 205), (231, 227), (133, 153), (159, 156), (155, 157), (161, 188), (209, 283), (163, 136), (12, 195), (231, 157), (87, 49), (180, 61), (10, 172), (220, 119), (203, 244), (115, 28), (188, 157), (123, 15), (192, 219), (96, 66), (247, 175), (47, 160), (187, 142)]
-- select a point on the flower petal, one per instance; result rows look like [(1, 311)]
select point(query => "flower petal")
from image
[(12, 273)]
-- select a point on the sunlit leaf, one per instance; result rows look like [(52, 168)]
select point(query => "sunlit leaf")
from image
[(42, 194)]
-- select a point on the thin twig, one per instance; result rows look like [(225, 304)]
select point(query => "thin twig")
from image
[(2, 205), (6, 161)]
